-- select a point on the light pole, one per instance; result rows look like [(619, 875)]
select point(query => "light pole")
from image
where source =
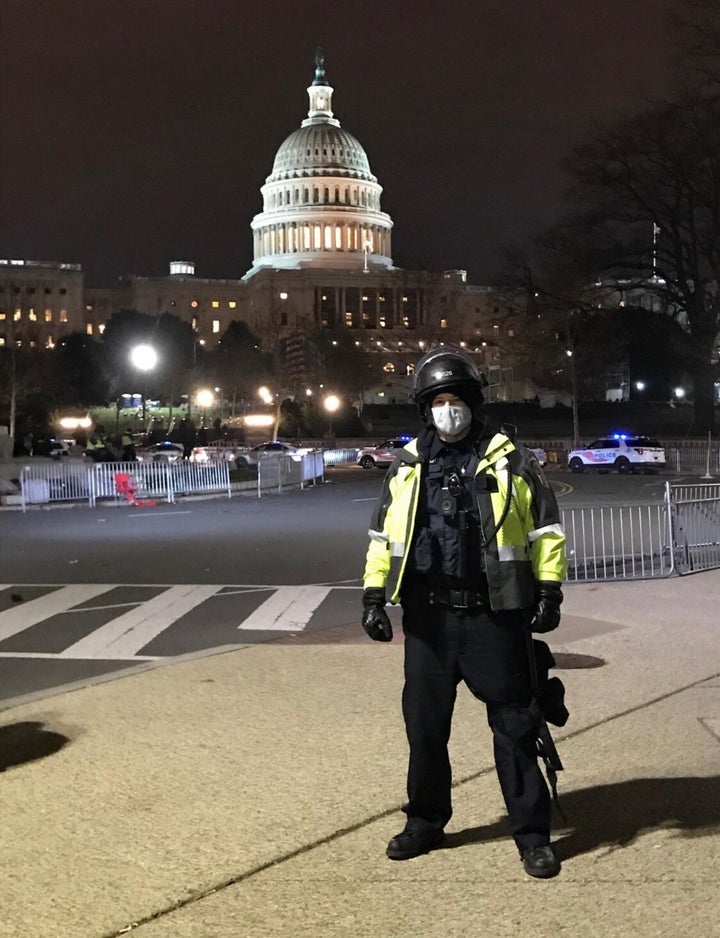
[(331, 404), (144, 358), (573, 382)]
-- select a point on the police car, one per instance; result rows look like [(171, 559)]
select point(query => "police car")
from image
[(620, 451), (381, 454)]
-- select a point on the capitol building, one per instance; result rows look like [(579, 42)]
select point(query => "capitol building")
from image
[(322, 260)]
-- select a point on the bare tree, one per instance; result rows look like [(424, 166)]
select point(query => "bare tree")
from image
[(648, 191)]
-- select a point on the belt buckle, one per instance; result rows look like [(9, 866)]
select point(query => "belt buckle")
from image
[(458, 599)]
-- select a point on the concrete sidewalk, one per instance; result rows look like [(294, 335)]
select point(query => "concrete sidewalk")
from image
[(251, 793)]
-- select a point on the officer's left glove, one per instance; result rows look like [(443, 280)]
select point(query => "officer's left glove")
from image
[(375, 620), (546, 615)]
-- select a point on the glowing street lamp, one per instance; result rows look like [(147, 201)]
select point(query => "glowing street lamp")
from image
[(331, 403), (144, 358), (679, 393), (204, 400)]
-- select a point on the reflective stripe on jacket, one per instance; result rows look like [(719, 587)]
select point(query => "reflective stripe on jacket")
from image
[(529, 545)]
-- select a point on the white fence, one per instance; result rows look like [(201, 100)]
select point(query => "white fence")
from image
[(67, 481), (280, 471), (630, 542)]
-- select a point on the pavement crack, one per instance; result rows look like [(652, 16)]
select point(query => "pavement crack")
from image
[(239, 878)]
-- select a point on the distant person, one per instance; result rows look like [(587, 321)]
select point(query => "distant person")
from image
[(127, 442), (186, 436)]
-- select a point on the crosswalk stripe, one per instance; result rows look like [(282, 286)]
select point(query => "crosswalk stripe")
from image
[(24, 615), (125, 635), (289, 609)]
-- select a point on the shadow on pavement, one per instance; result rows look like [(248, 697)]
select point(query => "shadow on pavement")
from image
[(615, 815), (26, 742)]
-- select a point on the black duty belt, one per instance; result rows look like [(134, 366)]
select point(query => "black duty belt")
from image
[(458, 599)]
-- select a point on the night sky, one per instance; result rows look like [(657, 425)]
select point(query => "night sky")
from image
[(134, 132)]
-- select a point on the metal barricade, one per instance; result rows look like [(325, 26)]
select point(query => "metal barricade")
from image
[(333, 457), (193, 478), (618, 542), (287, 470), (55, 482), (149, 479), (695, 517)]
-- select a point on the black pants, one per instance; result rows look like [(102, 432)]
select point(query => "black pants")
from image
[(488, 652)]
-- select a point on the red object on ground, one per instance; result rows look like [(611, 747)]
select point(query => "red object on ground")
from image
[(123, 486)]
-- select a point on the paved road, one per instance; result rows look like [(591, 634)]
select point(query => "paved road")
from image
[(88, 593)]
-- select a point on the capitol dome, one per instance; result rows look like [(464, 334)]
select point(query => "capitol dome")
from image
[(321, 148), (321, 202)]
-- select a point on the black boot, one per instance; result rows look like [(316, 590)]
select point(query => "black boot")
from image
[(413, 841), (540, 862)]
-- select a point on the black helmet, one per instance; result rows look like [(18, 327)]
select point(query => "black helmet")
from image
[(447, 369)]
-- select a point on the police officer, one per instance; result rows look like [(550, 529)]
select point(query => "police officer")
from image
[(466, 536), (127, 442)]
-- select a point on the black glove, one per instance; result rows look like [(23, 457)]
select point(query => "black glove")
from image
[(375, 620), (546, 615)]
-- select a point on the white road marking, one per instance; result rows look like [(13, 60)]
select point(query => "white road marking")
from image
[(289, 609), (124, 636), (54, 654), (24, 615)]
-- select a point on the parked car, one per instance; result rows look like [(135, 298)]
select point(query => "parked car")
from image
[(381, 454), (539, 454), (160, 452), (215, 451), (622, 452), (248, 457)]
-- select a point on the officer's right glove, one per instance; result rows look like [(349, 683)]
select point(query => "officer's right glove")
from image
[(546, 615), (375, 620)]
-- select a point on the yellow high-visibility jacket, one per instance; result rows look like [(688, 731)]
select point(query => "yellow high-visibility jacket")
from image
[(529, 545)]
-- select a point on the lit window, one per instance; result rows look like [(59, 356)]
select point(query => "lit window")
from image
[(405, 299), (215, 304), (3, 317), (232, 304), (283, 296), (2, 340), (48, 315), (216, 325), (32, 315), (194, 323), (443, 323), (49, 342), (17, 314), (388, 368), (496, 327), (63, 315), (406, 321), (101, 328), (324, 296), (382, 322), (348, 319), (89, 328)]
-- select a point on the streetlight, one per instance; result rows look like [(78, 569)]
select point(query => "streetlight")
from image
[(331, 403), (573, 380), (640, 385), (205, 400), (144, 358)]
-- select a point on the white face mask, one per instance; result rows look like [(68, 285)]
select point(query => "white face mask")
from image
[(452, 419)]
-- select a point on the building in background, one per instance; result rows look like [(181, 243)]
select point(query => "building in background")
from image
[(40, 302)]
